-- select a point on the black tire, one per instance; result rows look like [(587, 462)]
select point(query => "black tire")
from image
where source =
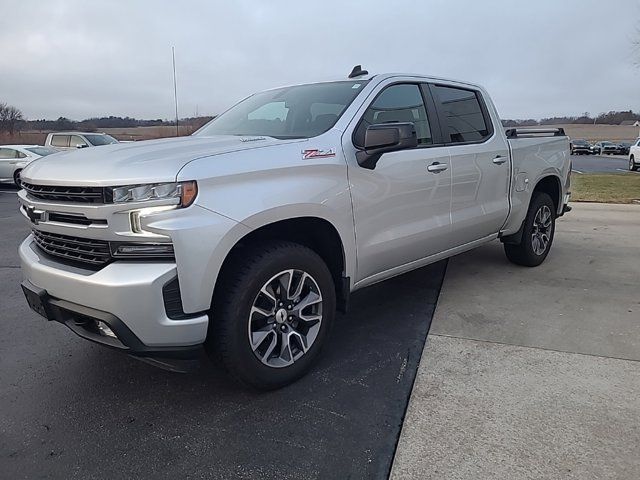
[(523, 253), (16, 178), (632, 164), (244, 275)]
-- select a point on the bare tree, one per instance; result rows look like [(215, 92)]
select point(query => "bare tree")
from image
[(10, 118)]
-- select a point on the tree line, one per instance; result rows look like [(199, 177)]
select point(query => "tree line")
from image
[(610, 118), (12, 120)]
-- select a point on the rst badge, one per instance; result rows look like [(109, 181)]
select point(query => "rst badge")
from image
[(36, 216), (316, 153)]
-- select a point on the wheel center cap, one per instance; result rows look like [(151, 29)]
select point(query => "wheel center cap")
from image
[(281, 315)]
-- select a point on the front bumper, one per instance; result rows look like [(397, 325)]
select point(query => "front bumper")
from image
[(127, 296)]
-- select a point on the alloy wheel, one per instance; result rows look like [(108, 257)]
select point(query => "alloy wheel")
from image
[(541, 232), (285, 318)]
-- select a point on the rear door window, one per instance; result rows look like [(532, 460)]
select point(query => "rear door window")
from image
[(60, 140), (462, 115)]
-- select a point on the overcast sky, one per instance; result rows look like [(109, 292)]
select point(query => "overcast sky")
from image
[(539, 58)]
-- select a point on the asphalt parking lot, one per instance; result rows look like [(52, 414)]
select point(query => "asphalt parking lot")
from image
[(71, 409), (600, 163), (525, 374)]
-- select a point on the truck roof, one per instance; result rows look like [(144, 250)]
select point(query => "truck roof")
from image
[(384, 76)]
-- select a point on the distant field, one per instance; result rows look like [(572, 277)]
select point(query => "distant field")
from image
[(137, 133), (594, 133), (589, 132)]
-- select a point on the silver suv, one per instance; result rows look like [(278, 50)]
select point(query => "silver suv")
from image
[(245, 237)]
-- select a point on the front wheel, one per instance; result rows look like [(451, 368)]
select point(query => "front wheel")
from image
[(632, 164), (537, 235), (271, 314)]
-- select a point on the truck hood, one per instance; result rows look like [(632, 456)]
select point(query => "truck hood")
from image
[(148, 161)]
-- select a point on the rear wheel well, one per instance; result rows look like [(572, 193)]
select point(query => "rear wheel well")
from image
[(551, 186), (315, 233)]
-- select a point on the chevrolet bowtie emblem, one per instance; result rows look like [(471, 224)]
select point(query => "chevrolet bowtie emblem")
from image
[(36, 216)]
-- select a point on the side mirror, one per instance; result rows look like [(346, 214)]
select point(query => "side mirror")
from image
[(383, 138), (82, 145)]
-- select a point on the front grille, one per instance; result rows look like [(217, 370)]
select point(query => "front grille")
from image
[(74, 249), (65, 194)]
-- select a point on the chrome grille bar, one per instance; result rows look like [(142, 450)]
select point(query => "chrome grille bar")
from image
[(93, 252), (69, 194)]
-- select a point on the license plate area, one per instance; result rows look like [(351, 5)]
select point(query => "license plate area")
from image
[(37, 300)]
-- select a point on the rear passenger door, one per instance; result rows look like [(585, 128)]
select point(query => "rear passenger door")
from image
[(7, 162), (480, 167)]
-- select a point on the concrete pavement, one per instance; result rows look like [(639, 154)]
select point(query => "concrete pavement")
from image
[(534, 373)]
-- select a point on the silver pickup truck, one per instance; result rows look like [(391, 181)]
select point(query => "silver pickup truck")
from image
[(245, 237)]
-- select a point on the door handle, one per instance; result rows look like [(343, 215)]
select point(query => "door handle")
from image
[(499, 160), (437, 167)]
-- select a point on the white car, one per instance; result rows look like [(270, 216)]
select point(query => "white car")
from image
[(634, 156), (13, 158)]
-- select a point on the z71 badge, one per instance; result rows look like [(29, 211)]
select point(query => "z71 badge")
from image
[(316, 153)]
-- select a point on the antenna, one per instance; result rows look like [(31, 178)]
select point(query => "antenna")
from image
[(175, 86), (357, 72)]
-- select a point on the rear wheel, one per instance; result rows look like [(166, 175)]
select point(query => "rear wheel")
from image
[(537, 235), (632, 164), (16, 178), (272, 314)]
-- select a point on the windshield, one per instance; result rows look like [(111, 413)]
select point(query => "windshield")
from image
[(301, 111), (580, 142), (42, 151), (97, 140)]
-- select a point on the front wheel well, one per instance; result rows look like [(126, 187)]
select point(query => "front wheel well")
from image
[(315, 233)]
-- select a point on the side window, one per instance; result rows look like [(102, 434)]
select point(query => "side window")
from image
[(60, 140), (19, 154), (397, 103), (464, 119), (76, 141), (6, 153)]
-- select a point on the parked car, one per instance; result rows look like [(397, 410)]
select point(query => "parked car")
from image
[(245, 237), (13, 158), (634, 156), (580, 147), (623, 148), (73, 140), (605, 148)]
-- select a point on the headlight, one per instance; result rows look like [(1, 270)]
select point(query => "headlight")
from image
[(184, 192)]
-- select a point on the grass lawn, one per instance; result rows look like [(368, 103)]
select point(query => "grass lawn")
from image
[(607, 188)]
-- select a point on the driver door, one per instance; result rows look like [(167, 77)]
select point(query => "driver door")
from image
[(401, 207)]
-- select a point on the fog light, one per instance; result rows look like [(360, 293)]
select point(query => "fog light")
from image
[(142, 250), (105, 330)]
